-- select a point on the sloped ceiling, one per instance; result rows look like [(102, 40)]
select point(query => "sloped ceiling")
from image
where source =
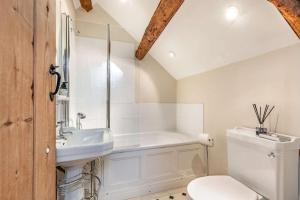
[(200, 35), (94, 24)]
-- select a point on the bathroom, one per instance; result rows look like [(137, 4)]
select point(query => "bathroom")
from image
[(147, 100)]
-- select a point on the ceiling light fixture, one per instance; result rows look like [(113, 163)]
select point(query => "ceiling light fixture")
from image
[(172, 54), (123, 1), (232, 13)]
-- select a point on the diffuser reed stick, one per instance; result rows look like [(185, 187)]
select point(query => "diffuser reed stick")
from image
[(261, 117)]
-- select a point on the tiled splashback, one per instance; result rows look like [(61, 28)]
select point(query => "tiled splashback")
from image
[(88, 93), (143, 117), (189, 118), (157, 116), (128, 118)]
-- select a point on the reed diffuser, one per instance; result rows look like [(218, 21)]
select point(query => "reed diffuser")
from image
[(261, 117)]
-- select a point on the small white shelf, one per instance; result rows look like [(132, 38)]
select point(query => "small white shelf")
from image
[(62, 98)]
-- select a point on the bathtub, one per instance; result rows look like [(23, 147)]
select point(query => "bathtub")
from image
[(150, 162)]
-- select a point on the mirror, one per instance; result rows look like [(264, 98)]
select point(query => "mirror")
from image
[(64, 30), (65, 53)]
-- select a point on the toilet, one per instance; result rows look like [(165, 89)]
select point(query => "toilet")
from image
[(220, 187), (258, 169)]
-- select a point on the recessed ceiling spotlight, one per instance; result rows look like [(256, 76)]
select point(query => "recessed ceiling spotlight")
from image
[(123, 1), (231, 13), (172, 54)]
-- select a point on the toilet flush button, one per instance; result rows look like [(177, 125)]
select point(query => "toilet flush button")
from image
[(272, 155)]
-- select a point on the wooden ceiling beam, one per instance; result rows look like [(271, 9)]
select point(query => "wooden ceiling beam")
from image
[(162, 16), (86, 5), (290, 10)]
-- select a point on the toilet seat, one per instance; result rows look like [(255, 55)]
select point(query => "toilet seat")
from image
[(219, 188)]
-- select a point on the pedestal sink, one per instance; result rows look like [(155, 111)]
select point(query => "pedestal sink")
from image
[(79, 148)]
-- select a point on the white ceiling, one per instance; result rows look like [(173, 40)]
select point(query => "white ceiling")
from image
[(201, 36)]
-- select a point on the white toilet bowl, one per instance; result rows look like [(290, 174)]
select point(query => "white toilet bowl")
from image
[(219, 188)]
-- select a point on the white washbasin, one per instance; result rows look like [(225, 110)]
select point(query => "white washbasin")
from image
[(83, 146)]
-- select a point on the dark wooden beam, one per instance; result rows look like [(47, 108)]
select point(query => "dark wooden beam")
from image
[(163, 14), (290, 10), (86, 5)]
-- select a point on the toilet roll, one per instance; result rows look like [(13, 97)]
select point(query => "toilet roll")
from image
[(205, 139)]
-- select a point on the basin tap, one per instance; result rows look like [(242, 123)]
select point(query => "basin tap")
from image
[(61, 132), (80, 116)]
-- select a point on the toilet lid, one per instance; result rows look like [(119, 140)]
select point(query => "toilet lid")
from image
[(219, 188)]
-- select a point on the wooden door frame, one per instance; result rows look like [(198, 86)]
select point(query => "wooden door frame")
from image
[(44, 182)]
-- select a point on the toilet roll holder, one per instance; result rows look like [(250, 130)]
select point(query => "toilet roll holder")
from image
[(207, 142)]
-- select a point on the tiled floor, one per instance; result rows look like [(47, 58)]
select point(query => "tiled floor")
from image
[(177, 194)]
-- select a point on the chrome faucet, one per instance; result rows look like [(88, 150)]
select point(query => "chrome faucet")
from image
[(61, 132), (80, 116)]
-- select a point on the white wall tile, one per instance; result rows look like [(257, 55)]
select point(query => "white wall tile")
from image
[(88, 82), (124, 118), (157, 116), (189, 118), (88, 93)]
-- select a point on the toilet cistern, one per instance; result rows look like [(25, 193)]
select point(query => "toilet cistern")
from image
[(257, 168)]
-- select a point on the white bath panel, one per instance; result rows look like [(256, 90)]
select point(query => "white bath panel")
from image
[(141, 172), (159, 165), (130, 165)]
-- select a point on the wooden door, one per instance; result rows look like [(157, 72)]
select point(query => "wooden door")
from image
[(44, 109), (27, 123), (16, 99)]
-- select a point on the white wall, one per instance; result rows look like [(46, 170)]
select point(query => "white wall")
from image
[(88, 93), (229, 92), (153, 83)]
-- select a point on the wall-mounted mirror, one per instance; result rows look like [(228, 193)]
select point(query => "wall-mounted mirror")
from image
[(65, 53), (64, 30)]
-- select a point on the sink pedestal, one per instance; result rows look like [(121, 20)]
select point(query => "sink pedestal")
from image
[(79, 148), (73, 173)]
